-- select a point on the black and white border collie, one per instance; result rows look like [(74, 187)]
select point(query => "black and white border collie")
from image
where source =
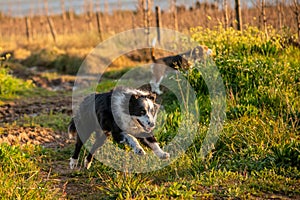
[(162, 66), (127, 114)]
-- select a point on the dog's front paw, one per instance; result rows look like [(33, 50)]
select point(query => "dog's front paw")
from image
[(87, 164), (158, 91), (139, 151), (73, 163), (164, 155)]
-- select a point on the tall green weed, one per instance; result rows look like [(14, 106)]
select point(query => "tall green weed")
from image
[(11, 86), (260, 73)]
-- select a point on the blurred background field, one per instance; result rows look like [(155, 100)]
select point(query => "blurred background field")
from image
[(256, 49)]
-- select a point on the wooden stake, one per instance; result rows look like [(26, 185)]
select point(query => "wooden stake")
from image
[(63, 15), (279, 13), (238, 15), (263, 15), (99, 25), (52, 28), (63, 11), (297, 14), (28, 28), (71, 18), (174, 12), (89, 14), (146, 11), (225, 7), (158, 23)]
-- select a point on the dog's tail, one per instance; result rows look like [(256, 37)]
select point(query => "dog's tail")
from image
[(152, 50), (72, 129)]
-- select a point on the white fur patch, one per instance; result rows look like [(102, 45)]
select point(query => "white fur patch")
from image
[(148, 120), (73, 163), (151, 104)]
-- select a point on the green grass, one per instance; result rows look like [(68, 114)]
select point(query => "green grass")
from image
[(11, 86), (53, 58), (21, 176), (57, 121)]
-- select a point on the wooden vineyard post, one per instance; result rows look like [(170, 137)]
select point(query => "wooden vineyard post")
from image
[(99, 25), (279, 13), (158, 23), (174, 13), (106, 16), (297, 15), (89, 15), (88, 19), (146, 11), (133, 24), (52, 28), (238, 15), (225, 7), (28, 28), (63, 15), (71, 18), (263, 15)]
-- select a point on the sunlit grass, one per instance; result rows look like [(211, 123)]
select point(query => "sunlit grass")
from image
[(10, 86), (21, 176)]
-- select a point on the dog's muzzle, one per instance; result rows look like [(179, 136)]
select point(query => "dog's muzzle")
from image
[(148, 128)]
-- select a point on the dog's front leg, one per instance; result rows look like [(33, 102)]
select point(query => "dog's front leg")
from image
[(133, 143), (153, 144)]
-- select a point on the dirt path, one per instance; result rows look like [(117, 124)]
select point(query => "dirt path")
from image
[(18, 133), (12, 111)]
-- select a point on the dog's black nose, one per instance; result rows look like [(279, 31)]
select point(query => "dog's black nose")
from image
[(151, 124)]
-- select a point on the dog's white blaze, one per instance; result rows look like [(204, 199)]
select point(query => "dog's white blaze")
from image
[(149, 113), (148, 120), (151, 105)]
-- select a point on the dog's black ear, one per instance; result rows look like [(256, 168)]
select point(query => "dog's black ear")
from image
[(152, 96)]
